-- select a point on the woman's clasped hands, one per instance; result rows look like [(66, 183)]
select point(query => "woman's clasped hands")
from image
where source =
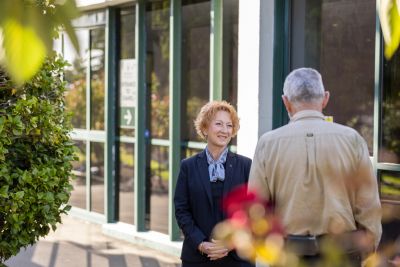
[(214, 250)]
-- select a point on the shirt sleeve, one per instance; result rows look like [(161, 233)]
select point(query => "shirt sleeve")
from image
[(367, 210), (183, 212), (257, 178)]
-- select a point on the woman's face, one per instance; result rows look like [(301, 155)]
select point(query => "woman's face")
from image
[(219, 131)]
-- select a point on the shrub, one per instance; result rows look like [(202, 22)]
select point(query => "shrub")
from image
[(35, 157)]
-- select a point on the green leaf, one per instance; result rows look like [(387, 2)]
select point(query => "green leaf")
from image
[(67, 208), (62, 196), (49, 197), (16, 132), (15, 217), (2, 121), (24, 52), (20, 194), (4, 191)]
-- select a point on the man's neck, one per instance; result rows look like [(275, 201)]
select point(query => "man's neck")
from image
[(303, 107)]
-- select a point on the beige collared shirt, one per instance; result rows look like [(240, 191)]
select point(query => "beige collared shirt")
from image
[(319, 175)]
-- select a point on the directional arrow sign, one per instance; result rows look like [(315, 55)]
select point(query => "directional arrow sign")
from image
[(127, 118), (127, 93)]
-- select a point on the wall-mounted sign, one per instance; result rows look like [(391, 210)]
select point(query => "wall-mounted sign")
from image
[(128, 92)]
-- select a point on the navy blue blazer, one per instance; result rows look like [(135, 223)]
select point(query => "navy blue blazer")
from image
[(193, 200)]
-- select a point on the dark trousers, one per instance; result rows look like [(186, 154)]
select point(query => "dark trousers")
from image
[(224, 262), (350, 260)]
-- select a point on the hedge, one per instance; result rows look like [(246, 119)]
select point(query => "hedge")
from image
[(35, 157)]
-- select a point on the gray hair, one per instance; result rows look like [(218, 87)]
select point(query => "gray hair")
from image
[(304, 85)]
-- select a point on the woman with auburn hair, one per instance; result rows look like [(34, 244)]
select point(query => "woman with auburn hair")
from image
[(204, 179)]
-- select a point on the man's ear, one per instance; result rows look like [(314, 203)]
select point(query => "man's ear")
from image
[(287, 104), (326, 99)]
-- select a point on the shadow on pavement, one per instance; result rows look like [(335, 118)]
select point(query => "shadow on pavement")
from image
[(71, 254)]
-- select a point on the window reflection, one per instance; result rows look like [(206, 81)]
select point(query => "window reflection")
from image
[(157, 55), (230, 49), (97, 56), (127, 32), (195, 63), (338, 39), (157, 195), (188, 152), (127, 86), (90, 18), (97, 177), (78, 194), (230, 52), (75, 75), (126, 183), (390, 125), (390, 185), (126, 89)]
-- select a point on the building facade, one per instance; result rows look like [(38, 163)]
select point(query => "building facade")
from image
[(146, 67)]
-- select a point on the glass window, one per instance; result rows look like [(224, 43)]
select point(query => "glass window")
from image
[(230, 49), (338, 39), (90, 19), (126, 112), (157, 60), (78, 194), (97, 56), (127, 32), (127, 83), (157, 196), (85, 78), (75, 75), (126, 183), (97, 177), (230, 52), (390, 185), (390, 124), (188, 152), (195, 63)]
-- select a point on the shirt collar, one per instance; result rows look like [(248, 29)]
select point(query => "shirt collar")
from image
[(307, 114)]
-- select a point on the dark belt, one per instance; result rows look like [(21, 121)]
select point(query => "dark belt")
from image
[(303, 245), (310, 245)]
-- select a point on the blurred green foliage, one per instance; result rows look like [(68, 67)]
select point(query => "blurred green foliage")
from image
[(27, 31), (389, 16)]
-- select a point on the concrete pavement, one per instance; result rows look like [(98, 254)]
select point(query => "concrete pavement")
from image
[(78, 243)]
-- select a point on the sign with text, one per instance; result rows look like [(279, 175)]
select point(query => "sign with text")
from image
[(128, 91)]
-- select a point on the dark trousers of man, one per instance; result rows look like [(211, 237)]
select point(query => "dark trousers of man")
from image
[(307, 249), (351, 260)]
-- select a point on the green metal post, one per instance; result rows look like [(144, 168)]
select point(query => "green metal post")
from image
[(216, 44), (174, 109), (226, 38), (140, 127), (281, 60), (88, 122), (377, 97), (377, 92), (110, 115)]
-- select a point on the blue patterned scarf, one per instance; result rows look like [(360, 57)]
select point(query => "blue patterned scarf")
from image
[(216, 167)]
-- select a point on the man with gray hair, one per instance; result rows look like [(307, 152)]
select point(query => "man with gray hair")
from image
[(318, 175)]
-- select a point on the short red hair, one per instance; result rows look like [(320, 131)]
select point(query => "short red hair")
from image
[(207, 114)]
